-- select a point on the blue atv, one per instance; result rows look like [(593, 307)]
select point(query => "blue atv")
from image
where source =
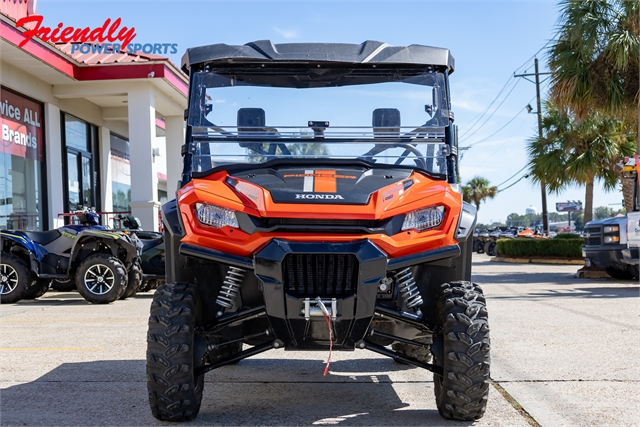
[(99, 261)]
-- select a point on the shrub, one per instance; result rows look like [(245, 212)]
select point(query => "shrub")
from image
[(567, 236), (528, 247)]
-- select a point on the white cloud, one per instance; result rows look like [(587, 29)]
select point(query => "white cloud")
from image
[(287, 34)]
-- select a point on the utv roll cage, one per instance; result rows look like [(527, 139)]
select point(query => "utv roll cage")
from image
[(265, 57)]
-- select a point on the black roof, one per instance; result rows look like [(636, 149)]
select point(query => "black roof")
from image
[(373, 52)]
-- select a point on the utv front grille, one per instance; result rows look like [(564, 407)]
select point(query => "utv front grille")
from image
[(323, 275), (595, 237)]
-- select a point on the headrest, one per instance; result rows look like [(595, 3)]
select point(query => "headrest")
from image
[(386, 120), (251, 118)]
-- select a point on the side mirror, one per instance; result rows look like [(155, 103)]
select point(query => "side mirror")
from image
[(429, 109)]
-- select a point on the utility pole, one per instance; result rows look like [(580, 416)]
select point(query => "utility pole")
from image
[(543, 184)]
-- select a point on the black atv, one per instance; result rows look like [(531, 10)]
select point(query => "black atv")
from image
[(479, 239), (336, 228), (99, 261), (152, 258)]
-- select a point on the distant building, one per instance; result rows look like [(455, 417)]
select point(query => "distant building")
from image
[(531, 210)]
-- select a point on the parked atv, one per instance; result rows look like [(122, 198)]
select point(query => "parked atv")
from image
[(305, 237), (96, 259), (492, 237), (479, 239), (152, 258)]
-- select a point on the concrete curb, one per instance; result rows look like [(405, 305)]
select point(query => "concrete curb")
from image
[(537, 260), (592, 274)]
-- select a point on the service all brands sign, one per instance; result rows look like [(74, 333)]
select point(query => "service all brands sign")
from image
[(21, 125)]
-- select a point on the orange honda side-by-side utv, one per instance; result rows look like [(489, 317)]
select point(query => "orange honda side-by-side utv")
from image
[(319, 209)]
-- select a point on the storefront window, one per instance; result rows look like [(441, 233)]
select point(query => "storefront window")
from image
[(120, 174), (21, 163), (75, 133), (81, 143)]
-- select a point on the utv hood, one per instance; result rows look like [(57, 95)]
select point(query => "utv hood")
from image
[(351, 185)]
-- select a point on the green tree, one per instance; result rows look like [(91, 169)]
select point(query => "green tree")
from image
[(308, 149), (595, 61), (579, 222), (557, 217), (478, 190), (602, 212), (578, 152)]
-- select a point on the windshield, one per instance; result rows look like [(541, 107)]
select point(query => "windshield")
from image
[(394, 117)]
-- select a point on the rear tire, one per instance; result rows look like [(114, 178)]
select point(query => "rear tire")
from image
[(101, 278), (619, 274), (14, 278), (175, 393), (489, 248), (37, 289), (134, 282), (461, 394)]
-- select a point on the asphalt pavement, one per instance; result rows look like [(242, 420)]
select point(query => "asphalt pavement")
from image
[(565, 352)]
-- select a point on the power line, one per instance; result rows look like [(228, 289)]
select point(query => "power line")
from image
[(491, 115), (509, 179), (535, 54), (503, 126), (514, 183), (473, 122), (481, 114)]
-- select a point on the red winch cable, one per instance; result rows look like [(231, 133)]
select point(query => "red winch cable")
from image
[(328, 319)]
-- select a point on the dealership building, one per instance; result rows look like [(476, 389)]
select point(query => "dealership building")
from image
[(101, 130)]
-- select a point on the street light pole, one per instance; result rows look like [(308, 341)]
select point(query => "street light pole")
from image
[(543, 184)]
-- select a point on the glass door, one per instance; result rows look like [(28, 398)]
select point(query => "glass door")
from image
[(81, 143), (73, 182)]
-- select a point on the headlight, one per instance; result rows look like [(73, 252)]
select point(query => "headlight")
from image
[(424, 218), (611, 239), (611, 229), (216, 216)]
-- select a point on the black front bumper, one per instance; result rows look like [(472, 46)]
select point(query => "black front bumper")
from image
[(631, 256), (604, 256), (290, 285)]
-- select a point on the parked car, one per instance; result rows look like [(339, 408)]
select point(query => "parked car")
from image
[(604, 241)]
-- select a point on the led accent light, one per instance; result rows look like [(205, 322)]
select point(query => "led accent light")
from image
[(423, 219), (216, 216), (611, 239), (611, 229)]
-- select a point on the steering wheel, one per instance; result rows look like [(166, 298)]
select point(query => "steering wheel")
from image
[(408, 149)]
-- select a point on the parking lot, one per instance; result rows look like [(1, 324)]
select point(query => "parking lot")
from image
[(565, 352)]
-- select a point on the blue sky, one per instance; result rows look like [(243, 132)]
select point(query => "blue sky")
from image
[(489, 41)]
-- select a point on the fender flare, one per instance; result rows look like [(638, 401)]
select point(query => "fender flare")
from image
[(35, 251), (110, 239)]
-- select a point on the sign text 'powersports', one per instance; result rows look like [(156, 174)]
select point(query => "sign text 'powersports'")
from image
[(111, 35)]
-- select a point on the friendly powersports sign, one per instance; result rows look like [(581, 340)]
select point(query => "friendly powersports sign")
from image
[(569, 206)]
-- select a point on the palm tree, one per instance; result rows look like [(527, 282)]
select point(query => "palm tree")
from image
[(578, 152), (595, 64), (477, 191), (595, 59)]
